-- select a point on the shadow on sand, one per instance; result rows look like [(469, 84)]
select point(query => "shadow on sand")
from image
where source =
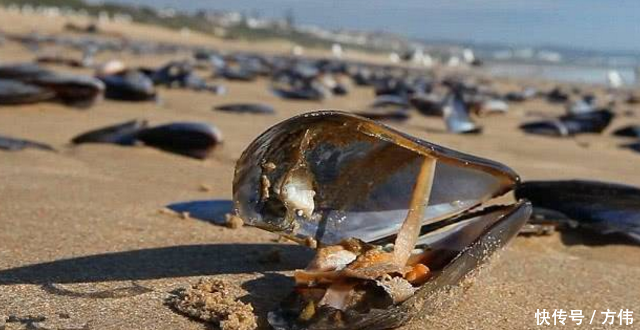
[(265, 292), (212, 211), (588, 238), (157, 263)]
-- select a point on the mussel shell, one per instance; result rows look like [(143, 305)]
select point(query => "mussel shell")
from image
[(195, 140), (428, 104), (589, 122), (122, 134), (79, 91), (601, 207), (340, 89), (393, 101), (400, 114), (515, 97), (238, 74), (16, 92), (129, 86), (22, 71), (253, 108), (362, 173), (456, 116), (485, 233), (388, 107), (14, 144), (172, 73), (568, 125), (557, 96), (581, 106), (76, 90), (550, 127), (308, 94), (633, 146), (628, 131)]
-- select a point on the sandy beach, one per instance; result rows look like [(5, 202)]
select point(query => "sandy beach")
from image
[(85, 243)]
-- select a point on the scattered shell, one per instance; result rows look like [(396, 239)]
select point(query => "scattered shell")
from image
[(166, 210), (397, 288), (233, 221), (185, 215), (310, 242), (205, 187), (210, 301)]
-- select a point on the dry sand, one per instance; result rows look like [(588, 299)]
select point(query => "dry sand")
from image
[(83, 242)]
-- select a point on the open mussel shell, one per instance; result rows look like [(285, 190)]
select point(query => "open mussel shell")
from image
[(458, 248), (330, 176)]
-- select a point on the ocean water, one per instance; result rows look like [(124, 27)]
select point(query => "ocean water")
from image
[(607, 27), (587, 24), (561, 72)]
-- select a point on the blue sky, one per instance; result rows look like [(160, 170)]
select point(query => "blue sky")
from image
[(589, 24)]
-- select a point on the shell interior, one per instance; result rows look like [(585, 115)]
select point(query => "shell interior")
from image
[(332, 176)]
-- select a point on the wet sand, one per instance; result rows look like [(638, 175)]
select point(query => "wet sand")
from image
[(83, 240)]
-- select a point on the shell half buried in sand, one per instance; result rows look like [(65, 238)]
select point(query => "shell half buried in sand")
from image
[(394, 219)]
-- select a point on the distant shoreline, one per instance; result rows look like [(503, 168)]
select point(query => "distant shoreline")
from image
[(568, 73)]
